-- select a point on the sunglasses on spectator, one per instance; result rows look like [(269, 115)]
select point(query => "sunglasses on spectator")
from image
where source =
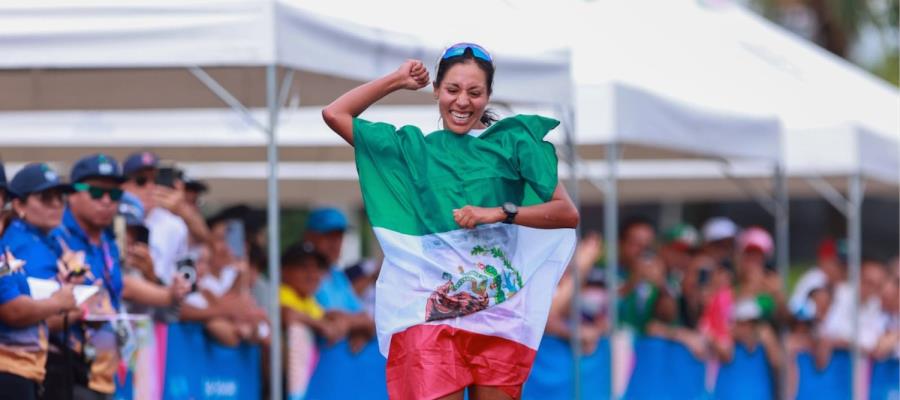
[(115, 194), (460, 48), (49, 196), (143, 180)]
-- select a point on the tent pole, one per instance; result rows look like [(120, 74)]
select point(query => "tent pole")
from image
[(854, 259), (782, 251), (273, 235), (610, 214), (575, 307)]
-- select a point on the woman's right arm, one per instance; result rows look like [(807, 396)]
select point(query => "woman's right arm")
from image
[(339, 115)]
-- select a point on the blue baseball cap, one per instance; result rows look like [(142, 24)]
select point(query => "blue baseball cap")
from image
[(97, 166), (325, 220), (132, 209), (138, 161), (34, 178)]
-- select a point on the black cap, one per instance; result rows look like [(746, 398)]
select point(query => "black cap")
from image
[(34, 178), (138, 161), (194, 185), (97, 166)]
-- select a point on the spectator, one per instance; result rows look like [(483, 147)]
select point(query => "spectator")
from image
[(325, 230), (837, 328), (644, 275), (168, 217), (85, 233), (223, 300), (193, 189), (718, 237), (679, 302), (888, 345), (757, 297), (362, 276), (303, 269), (686, 274), (828, 271), (593, 323), (678, 244), (140, 290), (38, 204)]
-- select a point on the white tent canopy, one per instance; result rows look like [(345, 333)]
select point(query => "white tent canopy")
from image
[(344, 38)]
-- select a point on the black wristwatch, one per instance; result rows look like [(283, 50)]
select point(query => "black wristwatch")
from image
[(511, 211)]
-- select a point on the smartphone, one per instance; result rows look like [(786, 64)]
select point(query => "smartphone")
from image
[(165, 176), (234, 237), (140, 234)]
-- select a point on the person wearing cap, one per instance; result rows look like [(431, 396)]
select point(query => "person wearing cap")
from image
[(85, 232), (140, 289), (827, 272), (757, 303), (171, 221), (719, 234), (325, 229), (38, 205), (193, 189)]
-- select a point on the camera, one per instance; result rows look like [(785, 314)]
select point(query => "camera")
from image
[(188, 271)]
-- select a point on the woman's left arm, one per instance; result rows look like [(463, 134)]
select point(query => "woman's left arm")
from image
[(559, 212)]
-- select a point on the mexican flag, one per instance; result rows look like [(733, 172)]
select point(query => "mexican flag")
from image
[(487, 290)]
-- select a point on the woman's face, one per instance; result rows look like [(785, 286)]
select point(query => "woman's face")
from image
[(462, 97), (43, 210)]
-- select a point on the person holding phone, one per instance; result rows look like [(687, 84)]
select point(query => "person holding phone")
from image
[(39, 198), (170, 220), (141, 289)]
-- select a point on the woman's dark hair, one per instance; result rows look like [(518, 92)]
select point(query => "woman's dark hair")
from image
[(487, 67), (299, 253)]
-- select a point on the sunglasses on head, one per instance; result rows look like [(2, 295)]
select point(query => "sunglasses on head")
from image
[(460, 48), (115, 194)]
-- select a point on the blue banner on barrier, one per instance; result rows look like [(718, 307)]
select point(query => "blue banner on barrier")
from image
[(551, 376), (341, 374), (199, 368), (746, 377), (665, 369), (885, 380)]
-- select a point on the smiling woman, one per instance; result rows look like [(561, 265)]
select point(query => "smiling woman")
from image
[(475, 228)]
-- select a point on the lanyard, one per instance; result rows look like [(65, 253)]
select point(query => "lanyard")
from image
[(108, 264)]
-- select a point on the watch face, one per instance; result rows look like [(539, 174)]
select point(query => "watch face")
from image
[(510, 208)]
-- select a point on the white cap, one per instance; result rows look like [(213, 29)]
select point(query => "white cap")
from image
[(719, 228)]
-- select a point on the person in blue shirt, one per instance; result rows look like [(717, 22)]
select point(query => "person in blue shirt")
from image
[(26, 243), (86, 234), (325, 229)]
